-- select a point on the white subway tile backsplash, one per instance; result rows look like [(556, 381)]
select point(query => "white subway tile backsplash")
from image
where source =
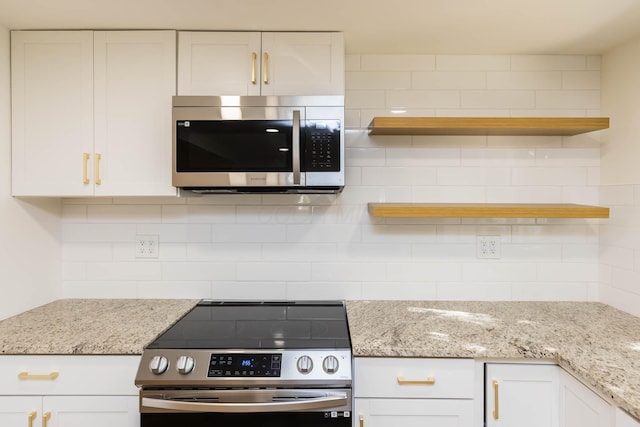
[(397, 62), (174, 290), (412, 99), (398, 176), (442, 80), (399, 291), (472, 62), (282, 246), (474, 176), (587, 99), (110, 214), (73, 233), (492, 271), (375, 80), (529, 80), (576, 80), (424, 272), (422, 157), (550, 291), (190, 271), (549, 176), (189, 233), (548, 62), (118, 271), (276, 272), (348, 271), (507, 99)]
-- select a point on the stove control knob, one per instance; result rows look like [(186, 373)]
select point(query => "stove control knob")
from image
[(158, 364), (185, 364), (305, 364), (330, 364)]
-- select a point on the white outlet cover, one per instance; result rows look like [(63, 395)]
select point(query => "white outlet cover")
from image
[(146, 246), (488, 247)]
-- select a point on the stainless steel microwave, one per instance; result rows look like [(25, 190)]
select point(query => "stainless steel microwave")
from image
[(225, 144)]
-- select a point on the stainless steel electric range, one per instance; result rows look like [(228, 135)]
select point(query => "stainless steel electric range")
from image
[(265, 363)]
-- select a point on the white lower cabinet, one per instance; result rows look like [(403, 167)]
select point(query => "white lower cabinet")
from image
[(581, 407), (413, 392), (522, 395), (69, 411), (68, 391), (625, 420)]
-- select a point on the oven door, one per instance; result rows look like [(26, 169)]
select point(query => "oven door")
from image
[(240, 408)]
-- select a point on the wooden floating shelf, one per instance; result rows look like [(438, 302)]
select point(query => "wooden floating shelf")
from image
[(534, 126), (485, 210)]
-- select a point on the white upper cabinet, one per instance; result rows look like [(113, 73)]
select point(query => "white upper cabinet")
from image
[(134, 78), (52, 112), (92, 112), (253, 63), (218, 63)]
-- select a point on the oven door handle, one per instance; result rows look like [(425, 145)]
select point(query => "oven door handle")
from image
[(302, 404)]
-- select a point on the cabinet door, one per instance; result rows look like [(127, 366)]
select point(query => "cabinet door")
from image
[(134, 82), (94, 411), (303, 64), (52, 112), (413, 412), (20, 411), (625, 420), (522, 395), (219, 63), (581, 407)]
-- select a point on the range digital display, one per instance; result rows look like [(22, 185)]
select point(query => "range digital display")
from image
[(245, 365)]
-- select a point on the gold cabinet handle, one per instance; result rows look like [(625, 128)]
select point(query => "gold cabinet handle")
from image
[(428, 381), (265, 68), (98, 156), (361, 420), (254, 57), (27, 376), (32, 416), (45, 418), (85, 160), (496, 404)]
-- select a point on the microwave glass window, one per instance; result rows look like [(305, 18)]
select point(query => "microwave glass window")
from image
[(234, 146)]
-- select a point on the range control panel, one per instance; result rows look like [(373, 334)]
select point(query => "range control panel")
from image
[(221, 368), (245, 365)]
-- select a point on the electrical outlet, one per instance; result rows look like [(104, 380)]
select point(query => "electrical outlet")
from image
[(146, 246), (488, 247)]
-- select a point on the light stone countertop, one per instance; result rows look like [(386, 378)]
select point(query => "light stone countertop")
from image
[(595, 342), (90, 326)]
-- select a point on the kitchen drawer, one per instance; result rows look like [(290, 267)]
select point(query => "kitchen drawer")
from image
[(420, 378), (101, 375)]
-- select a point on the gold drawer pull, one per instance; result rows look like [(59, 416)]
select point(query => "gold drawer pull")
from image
[(496, 402), (428, 381), (32, 416), (361, 420), (27, 376), (45, 419)]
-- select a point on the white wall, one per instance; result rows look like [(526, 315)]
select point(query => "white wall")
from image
[(276, 246), (620, 238), (30, 230)]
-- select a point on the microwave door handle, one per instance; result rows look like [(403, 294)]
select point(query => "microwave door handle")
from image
[(296, 147)]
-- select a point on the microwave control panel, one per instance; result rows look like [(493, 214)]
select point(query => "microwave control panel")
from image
[(322, 146)]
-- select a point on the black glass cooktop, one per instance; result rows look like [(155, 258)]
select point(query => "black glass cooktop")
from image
[(259, 325)]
